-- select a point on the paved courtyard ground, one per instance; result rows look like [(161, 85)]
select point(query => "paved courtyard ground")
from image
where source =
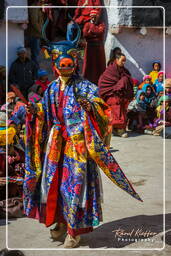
[(141, 157)]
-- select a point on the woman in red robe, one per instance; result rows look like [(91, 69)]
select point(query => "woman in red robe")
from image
[(116, 89), (94, 57)]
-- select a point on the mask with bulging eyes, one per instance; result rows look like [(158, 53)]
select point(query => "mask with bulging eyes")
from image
[(64, 54)]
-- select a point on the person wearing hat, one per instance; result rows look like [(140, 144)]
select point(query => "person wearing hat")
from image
[(42, 80), (168, 86), (23, 72), (163, 117), (146, 80), (94, 56)]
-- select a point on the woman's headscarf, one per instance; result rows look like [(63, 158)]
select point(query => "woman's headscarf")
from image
[(152, 95), (163, 98), (141, 102)]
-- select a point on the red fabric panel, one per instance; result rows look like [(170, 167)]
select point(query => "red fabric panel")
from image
[(95, 124), (52, 199)]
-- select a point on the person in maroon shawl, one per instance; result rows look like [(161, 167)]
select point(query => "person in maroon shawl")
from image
[(94, 56), (116, 89), (82, 15)]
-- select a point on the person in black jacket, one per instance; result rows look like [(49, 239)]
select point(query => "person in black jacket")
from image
[(23, 72)]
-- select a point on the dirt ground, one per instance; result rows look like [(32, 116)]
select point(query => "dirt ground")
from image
[(141, 158)]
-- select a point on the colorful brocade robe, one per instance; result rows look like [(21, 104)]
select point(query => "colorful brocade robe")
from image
[(62, 179)]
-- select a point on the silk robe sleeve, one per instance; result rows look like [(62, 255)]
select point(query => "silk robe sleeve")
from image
[(100, 113), (35, 136)]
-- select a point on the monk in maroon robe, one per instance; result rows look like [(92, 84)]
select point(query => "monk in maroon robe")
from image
[(94, 56), (82, 15), (116, 89)]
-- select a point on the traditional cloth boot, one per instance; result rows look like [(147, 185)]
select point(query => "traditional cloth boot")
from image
[(71, 242), (58, 231)]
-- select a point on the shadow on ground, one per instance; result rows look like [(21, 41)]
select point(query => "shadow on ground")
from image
[(105, 236)]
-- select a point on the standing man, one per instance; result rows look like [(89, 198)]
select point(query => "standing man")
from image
[(36, 21), (116, 89), (23, 72)]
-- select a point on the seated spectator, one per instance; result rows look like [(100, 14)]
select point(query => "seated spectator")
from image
[(168, 86), (137, 110), (150, 98), (13, 104), (42, 79), (10, 103), (23, 72), (149, 93), (35, 93), (159, 82), (163, 120), (158, 96), (146, 80), (155, 71)]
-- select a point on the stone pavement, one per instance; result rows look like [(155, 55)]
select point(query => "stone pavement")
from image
[(141, 157)]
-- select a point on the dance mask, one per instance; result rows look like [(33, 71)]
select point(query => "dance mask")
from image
[(64, 54)]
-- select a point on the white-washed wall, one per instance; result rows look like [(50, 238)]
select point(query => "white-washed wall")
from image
[(15, 32), (15, 39), (17, 15), (140, 50)]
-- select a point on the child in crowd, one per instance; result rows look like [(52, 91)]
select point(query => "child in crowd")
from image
[(42, 79), (137, 111), (159, 82), (146, 80), (150, 99), (135, 86), (155, 71), (168, 87), (158, 96), (149, 93), (35, 93)]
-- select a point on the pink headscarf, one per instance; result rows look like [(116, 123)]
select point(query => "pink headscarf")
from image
[(146, 77), (160, 73)]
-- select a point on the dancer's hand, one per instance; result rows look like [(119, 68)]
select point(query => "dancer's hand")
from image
[(85, 104), (30, 109)]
